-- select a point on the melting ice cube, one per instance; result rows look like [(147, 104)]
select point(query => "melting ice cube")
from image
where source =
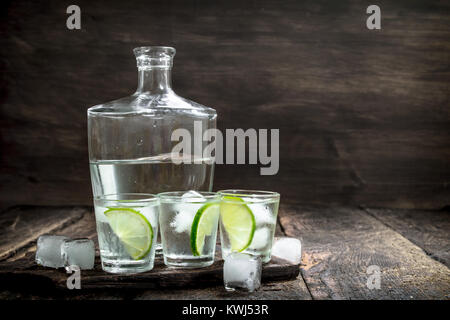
[(242, 271), (289, 249), (48, 252), (261, 238), (263, 215), (193, 196), (78, 252), (182, 221)]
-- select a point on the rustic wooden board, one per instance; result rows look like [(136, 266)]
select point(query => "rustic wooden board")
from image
[(430, 230), (21, 226), (339, 245), (363, 115), (280, 290), (20, 271)]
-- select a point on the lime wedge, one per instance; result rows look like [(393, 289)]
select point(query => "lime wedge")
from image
[(133, 230), (203, 225), (238, 221)]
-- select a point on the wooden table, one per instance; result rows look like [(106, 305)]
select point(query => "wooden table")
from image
[(410, 248)]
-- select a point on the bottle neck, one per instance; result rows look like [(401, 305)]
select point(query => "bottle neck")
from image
[(154, 80)]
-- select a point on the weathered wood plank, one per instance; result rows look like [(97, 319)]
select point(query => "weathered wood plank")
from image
[(430, 230), (281, 290), (21, 226), (20, 272), (340, 244), (83, 227)]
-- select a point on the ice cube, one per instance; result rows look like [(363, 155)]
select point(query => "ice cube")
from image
[(193, 196), (242, 271), (262, 213), (182, 221), (78, 252), (289, 249), (48, 252), (261, 238)]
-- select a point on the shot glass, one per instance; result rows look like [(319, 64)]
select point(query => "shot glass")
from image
[(247, 222), (188, 222), (127, 227)]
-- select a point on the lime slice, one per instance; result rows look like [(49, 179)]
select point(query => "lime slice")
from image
[(238, 221), (133, 230), (203, 225)]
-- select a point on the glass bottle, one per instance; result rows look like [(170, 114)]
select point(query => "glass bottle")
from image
[(130, 139)]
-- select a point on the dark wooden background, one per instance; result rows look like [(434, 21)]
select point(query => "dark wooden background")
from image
[(364, 115)]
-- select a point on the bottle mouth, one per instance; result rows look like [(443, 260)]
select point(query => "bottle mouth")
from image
[(154, 57)]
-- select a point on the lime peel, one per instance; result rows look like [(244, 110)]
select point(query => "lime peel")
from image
[(203, 225), (133, 229), (238, 221)]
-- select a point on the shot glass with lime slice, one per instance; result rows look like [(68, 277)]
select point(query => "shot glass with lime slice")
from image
[(247, 222), (127, 226), (188, 223)]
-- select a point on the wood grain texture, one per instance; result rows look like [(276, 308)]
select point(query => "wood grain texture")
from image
[(21, 226), (338, 246), (430, 230), (24, 272), (20, 276), (341, 243), (281, 290), (364, 116)]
